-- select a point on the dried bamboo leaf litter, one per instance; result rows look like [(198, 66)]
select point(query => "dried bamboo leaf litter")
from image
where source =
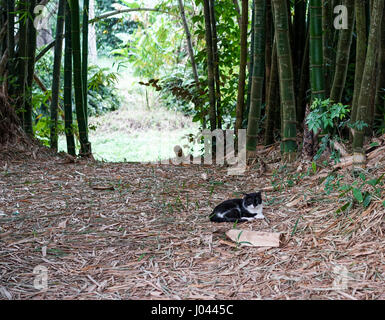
[(141, 231)]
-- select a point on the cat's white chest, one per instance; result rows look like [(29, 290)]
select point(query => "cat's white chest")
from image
[(256, 210)]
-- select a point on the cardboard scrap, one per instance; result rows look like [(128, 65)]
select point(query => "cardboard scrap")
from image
[(255, 238)]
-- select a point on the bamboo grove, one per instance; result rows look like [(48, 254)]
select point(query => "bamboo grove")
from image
[(300, 56), (19, 55), (293, 56)]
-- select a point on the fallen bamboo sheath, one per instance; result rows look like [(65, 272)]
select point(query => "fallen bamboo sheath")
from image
[(255, 238)]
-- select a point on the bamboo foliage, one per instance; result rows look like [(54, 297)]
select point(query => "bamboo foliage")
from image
[(197, 101), (189, 42)]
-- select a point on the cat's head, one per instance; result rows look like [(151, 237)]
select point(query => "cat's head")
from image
[(252, 200)]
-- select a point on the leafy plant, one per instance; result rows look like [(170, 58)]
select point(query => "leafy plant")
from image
[(102, 94), (328, 120), (361, 191), (326, 116)]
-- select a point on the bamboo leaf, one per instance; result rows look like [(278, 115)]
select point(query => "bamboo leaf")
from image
[(358, 195)]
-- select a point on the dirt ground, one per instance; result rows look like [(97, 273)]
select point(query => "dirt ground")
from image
[(141, 231)]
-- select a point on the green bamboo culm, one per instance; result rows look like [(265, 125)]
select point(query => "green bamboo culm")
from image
[(210, 64), (258, 74), (327, 42), (242, 67), (380, 87), (249, 80), (31, 53), (364, 107), (216, 63), (86, 5), (68, 121), (11, 46), (316, 51), (271, 105), (85, 146), (286, 81), (3, 21), (361, 42), (343, 53), (56, 75), (21, 63)]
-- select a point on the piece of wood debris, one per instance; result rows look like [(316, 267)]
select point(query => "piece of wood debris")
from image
[(294, 202), (255, 238), (103, 187)]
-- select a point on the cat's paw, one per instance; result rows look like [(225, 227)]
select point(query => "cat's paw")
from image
[(259, 216)]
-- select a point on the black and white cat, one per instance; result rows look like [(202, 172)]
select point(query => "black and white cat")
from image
[(241, 210)]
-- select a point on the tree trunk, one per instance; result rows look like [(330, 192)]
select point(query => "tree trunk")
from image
[(242, 67), (258, 73), (286, 81), (68, 121), (361, 42), (197, 101), (343, 54), (210, 65), (189, 42), (364, 107), (85, 146), (236, 5), (44, 32)]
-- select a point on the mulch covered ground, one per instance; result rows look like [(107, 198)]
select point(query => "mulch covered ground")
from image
[(141, 231)]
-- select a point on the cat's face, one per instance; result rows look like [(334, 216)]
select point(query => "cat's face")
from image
[(252, 200)]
